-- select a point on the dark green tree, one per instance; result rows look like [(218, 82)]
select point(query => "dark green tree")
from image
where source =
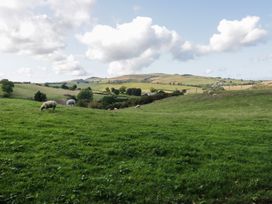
[(153, 90), (122, 89), (64, 86), (115, 91), (7, 87), (107, 89), (39, 96), (74, 87), (85, 96)]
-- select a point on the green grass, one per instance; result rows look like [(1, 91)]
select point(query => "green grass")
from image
[(28, 91), (170, 78), (144, 86), (194, 148)]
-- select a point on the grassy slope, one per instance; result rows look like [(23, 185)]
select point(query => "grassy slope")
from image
[(167, 78), (144, 86), (189, 148), (28, 91)]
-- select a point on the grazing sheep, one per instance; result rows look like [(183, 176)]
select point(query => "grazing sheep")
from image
[(49, 104), (138, 106), (71, 102)]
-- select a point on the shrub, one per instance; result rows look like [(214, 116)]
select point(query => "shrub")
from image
[(7, 87), (115, 91), (134, 91), (39, 96), (85, 96), (64, 86), (214, 88), (153, 90), (107, 100), (74, 87), (122, 89), (107, 89)]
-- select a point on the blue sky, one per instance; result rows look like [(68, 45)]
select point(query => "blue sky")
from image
[(88, 43)]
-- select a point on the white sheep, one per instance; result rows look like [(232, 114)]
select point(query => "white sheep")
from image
[(71, 102), (49, 104), (138, 106)]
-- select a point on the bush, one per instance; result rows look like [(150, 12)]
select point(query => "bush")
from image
[(7, 87), (122, 89), (107, 100), (115, 91), (153, 90), (214, 88), (134, 91), (64, 86), (74, 87), (85, 96), (39, 96), (107, 89)]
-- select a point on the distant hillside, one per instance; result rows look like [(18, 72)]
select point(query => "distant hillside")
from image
[(160, 78), (27, 91)]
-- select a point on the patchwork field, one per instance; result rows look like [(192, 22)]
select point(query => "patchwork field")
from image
[(186, 149), (144, 86)]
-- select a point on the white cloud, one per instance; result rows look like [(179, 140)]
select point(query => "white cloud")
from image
[(129, 47), (236, 34), (72, 12), (25, 30), (34, 35), (68, 64)]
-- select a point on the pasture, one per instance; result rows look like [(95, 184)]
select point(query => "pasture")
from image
[(186, 149)]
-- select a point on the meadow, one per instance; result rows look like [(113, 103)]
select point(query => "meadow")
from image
[(187, 149)]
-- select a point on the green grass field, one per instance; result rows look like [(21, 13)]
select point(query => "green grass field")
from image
[(161, 78), (144, 86), (28, 90), (187, 149)]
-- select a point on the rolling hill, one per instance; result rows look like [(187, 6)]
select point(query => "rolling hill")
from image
[(27, 91), (160, 78), (186, 149)]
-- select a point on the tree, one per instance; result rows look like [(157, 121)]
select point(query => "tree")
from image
[(64, 86), (115, 91), (7, 87), (122, 89), (134, 91), (107, 89), (153, 90), (85, 96), (39, 96), (107, 100), (74, 87)]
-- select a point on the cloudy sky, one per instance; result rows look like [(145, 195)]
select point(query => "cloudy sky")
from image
[(53, 40)]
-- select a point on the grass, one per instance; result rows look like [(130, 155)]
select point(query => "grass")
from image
[(187, 149), (28, 90), (144, 86), (171, 78)]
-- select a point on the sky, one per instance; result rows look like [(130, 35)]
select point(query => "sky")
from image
[(56, 40)]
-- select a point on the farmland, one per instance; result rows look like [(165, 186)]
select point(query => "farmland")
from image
[(194, 148)]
